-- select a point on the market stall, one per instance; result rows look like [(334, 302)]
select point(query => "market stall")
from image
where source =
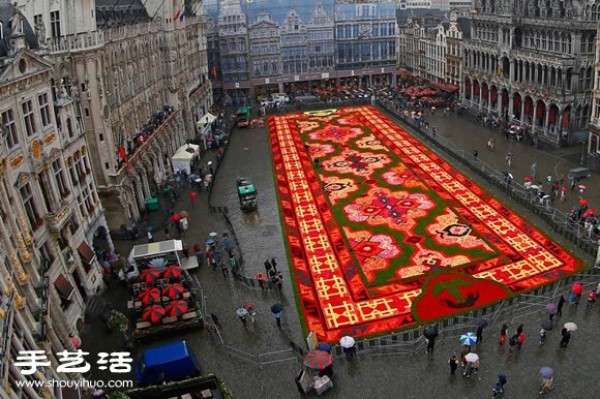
[(184, 157)]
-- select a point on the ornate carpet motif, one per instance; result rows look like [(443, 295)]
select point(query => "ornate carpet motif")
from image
[(384, 235)]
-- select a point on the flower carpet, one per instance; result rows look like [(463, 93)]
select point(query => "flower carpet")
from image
[(385, 235)]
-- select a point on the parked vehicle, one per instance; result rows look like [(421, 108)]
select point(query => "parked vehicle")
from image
[(246, 194), (170, 362), (243, 116)]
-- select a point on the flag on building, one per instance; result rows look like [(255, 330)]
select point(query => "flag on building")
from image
[(123, 157), (176, 10)]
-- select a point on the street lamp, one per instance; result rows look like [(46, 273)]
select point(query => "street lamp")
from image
[(583, 152)]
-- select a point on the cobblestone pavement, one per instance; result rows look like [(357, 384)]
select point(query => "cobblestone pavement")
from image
[(255, 361)]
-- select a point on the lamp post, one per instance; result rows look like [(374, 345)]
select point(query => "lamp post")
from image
[(583, 152)]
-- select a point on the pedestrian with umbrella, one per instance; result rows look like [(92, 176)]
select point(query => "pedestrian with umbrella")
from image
[(576, 291), (546, 326), (551, 309), (277, 309), (348, 345), (547, 375), (566, 337), (431, 333), (480, 323), (468, 339), (241, 314), (472, 360)]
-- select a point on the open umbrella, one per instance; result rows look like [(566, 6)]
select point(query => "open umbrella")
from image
[(317, 360), (154, 313), (551, 308), (173, 290), (471, 357), (583, 202), (276, 308), (149, 295), (249, 306), (430, 332), (149, 275), (241, 312), (547, 325), (546, 372), (347, 341), (480, 322), (210, 241), (176, 308), (570, 326), (175, 217), (172, 272), (577, 288), (468, 339), (213, 234)]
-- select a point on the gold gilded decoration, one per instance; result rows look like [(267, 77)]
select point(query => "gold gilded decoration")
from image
[(25, 229), (49, 138), (17, 161), (17, 267), (2, 313), (19, 301), (36, 149)]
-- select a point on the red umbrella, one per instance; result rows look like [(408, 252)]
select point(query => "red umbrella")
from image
[(149, 275), (173, 290), (589, 213), (529, 178), (193, 196), (177, 308), (154, 313), (577, 288), (149, 295), (583, 202), (175, 217), (172, 272)]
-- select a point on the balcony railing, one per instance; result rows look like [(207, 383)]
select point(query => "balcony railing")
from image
[(56, 220), (77, 42)]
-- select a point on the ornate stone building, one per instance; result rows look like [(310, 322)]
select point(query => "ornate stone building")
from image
[(233, 49), (138, 75), (265, 53), (321, 49), (593, 142), (533, 63), (431, 48), (49, 210)]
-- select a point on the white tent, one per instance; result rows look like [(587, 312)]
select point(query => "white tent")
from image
[(182, 160), (206, 119)]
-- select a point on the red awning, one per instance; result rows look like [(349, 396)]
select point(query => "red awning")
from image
[(446, 87), (63, 286), (86, 253)]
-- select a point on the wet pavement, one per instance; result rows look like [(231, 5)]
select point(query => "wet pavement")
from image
[(255, 360)]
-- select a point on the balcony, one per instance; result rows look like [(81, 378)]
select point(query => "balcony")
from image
[(57, 220), (77, 42)]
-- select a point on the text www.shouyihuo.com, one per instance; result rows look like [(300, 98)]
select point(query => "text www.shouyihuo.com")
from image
[(81, 383)]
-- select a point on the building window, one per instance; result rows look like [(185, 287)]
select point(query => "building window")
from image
[(30, 208), (55, 23), (59, 177), (70, 127), (29, 118), (44, 109), (10, 129)]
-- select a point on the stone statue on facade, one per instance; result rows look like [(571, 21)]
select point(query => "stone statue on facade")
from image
[(40, 33)]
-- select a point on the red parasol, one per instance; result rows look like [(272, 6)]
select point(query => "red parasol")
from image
[(173, 290), (577, 288), (154, 313), (175, 217), (529, 178), (177, 308), (172, 272), (589, 213), (149, 295), (583, 202), (149, 275)]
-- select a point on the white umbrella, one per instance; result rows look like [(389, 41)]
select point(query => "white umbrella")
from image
[(347, 341), (213, 234), (534, 187), (570, 326), (471, 357)]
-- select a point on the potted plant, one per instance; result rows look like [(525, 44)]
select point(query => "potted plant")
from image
[(117, 321)]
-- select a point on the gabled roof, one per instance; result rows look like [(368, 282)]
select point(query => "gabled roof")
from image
[(11, 72), (403, 15)]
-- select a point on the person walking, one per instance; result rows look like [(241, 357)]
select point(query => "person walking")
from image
[(278, 319), (533, 170), (566, 337), (215, 321), (547, 385), (479, 334), (561, 303), (274, 265), (453, 363), (503, 333), (225, 270), (591, 299), (499, 387), (430, 344), (150, 238), (520, 340), (267, 266)]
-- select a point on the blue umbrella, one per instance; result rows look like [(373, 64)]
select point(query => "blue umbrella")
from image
[(468, 339), (546, 372), (277, 308), (210, 241)]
